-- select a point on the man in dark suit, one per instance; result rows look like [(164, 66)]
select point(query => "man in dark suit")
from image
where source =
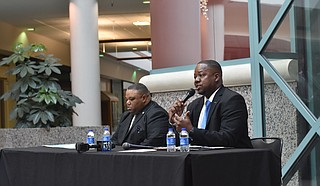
[(223, 122), (145, 122)]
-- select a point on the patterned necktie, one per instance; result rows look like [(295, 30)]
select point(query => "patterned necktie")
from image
[(205, 116)]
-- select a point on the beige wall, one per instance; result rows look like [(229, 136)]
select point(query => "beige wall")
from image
[(10, 35), (109, 67), (112, 68)]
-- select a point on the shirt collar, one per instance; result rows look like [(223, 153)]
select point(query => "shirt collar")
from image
[(212, 96)]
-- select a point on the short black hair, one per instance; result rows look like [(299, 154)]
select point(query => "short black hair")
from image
[(141, 88), (212, 64)]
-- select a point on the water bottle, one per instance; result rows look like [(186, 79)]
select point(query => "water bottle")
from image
[(90, 137), (106, 143), (171, 141), (184, 141)]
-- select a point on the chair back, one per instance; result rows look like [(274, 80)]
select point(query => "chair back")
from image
[(273, 143)]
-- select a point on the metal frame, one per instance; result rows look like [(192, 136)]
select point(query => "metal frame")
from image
[(258, 63)]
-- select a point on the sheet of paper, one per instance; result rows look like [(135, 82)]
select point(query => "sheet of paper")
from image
[(139, 150), (64, 146)]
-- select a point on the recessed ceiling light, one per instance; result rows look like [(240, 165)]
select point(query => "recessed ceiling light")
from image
[(141, 23), (31, 29)]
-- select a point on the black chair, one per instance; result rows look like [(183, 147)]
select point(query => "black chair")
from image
[(273, 143)]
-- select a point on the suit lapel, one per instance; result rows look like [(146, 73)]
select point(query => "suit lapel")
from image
[(198, 107), (124, 129), (136, 120), (214, 103)]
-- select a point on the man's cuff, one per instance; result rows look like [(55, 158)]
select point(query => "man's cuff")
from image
[(191, 131)]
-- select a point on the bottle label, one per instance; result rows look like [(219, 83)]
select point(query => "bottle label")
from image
[(171, 141), (184, 141), (90, 140), (106, 146), (106, 138)]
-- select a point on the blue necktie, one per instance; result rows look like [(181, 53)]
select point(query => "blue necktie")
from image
[(205, 116)]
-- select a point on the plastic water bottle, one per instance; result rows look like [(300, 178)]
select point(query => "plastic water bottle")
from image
[(171, 141), (184, 141), (90, 137), (106, 146)]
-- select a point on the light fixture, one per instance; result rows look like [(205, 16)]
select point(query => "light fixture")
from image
[(31, 29), (141, 23), (204, 8), (146, 2)]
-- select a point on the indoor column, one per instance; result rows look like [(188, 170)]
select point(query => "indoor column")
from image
[(212, 31), (176, 37), (85, 67)]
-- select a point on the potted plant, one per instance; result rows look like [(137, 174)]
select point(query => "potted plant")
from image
[(40, 101)]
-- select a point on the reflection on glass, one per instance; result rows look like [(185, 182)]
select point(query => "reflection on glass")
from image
[(282, 40), (304, 176), (236, 37), (269, 9), (294, 52)]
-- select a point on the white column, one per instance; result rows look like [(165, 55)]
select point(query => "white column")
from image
[(212, 31), (85, 67)]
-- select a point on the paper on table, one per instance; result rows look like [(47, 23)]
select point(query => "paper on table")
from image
[(196, 147), (64, 146), (140, 150), (207, 147)]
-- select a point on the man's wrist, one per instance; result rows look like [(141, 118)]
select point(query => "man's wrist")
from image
[(191, 131), (171, 123)]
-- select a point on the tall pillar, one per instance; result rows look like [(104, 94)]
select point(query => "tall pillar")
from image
[(212, 31), (85, 67), (175, 33)]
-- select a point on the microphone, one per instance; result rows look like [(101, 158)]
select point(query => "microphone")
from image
[(127, 146), (189, 94), (83, 147)]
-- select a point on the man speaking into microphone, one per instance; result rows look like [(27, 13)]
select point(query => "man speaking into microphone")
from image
[(219, 117), (144, 123)]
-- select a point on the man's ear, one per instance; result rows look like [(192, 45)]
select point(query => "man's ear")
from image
[(144, 97), (217, 77)]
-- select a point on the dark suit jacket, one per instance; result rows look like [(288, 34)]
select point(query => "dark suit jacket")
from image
[(149, 128), (227, 121)]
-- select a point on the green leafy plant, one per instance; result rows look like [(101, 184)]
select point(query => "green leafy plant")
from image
[(40, 101)]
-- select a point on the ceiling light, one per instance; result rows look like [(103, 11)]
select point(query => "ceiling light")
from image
[(146, 2), (141, 23), (31, 29)]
